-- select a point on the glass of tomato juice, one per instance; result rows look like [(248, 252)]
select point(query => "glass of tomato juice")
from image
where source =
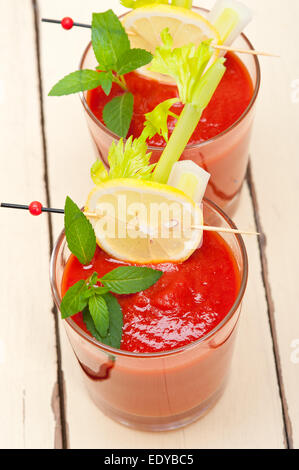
[(221, 142), (161, 390)]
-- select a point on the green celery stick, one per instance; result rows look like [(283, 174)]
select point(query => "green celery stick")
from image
[(188, 120)]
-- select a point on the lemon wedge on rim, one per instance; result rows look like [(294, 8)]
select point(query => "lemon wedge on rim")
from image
[(145, 24), (144, 222)]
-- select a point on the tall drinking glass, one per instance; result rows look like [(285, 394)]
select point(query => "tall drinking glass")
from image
[(157, 391)]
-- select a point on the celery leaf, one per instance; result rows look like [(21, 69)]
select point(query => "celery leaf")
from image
[(185, 64)]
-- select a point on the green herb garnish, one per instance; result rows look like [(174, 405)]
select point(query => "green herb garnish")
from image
[(132, 160), (129, 160), (114, 334), (79, 233), (115, 58), (99, 313), (117, 114), (156, 120), (130, 279), (77, 81), (101, 310)]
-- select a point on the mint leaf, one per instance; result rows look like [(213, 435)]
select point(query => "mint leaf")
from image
[(87, 318), (80, 80), (79, 233), (132, 60), (93, 279), (113, 338), (117, 114), (106, 79), (99, 312), (109, 39), (95, 290), (116, 321), (74, 300), (130, 279)]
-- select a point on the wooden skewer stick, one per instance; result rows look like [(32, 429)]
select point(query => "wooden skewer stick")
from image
[(95, 215), (215, 46), (26, 207), (228, 48), (198, 227), (223, 229), (243, 51), (92, 214)]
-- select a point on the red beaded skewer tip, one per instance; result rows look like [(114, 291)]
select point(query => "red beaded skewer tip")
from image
[(35, 208), (67, 22)]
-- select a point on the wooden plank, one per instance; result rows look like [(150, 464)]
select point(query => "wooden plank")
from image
[(27, 337), (249, 414), (275, 174)]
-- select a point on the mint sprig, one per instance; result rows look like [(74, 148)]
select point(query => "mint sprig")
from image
[(102, 313), (115, 58)]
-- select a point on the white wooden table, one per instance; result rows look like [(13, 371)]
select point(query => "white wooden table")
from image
[(46, 153)]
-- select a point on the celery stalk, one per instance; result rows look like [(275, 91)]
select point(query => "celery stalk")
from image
[(182, 3), (229, 18), (182, 132), (188, 120)]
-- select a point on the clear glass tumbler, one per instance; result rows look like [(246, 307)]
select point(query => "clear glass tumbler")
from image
[(225, 156), (157, 391)]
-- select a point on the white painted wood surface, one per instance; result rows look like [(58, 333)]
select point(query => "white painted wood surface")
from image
[(250, 413), (275, 168), (27, 351)]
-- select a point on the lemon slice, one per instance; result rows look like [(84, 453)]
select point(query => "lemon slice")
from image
[(144, 222), (185, 26)]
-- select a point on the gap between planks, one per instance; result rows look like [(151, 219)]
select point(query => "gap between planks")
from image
[(59, 411), (262, 242)]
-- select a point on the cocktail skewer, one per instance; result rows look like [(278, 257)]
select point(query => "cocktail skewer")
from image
[(68, 23), (243, 51), (208, 228), (36, 208)]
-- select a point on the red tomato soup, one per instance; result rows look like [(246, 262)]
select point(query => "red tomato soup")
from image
[(187, 302), (229, 102)]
